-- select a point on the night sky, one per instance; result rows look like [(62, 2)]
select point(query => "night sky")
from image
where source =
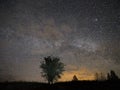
[(85, 34)]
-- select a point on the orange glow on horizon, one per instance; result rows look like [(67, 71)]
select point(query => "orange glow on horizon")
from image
[(82, 74)]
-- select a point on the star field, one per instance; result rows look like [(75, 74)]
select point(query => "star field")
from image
[(85, 34)]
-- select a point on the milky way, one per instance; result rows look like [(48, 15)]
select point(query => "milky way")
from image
[(85, 34)]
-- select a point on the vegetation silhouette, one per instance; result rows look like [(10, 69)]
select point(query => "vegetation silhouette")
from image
[(52, 68), (71, 85), (100, 76), (112, 76), (75, 78)]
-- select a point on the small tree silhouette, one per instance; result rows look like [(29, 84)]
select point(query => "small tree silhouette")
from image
[(52, 68), (75, 78), (108, 76), (96, 76)]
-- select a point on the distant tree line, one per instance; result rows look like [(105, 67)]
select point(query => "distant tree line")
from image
[(110, 76)]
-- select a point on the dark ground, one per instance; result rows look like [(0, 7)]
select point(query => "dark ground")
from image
[(76, 85)]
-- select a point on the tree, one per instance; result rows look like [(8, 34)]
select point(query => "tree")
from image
[(108, 76), (75, 78), (112, 75), (99, 77), (96, 76), (52, 68), (102, 77)]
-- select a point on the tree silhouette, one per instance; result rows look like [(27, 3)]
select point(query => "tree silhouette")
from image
[(96, 76), (52, 68), (75, 78), (112, 75), (108, 76), (99, 77)]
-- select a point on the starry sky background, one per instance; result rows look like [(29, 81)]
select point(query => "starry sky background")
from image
[(85, 34)]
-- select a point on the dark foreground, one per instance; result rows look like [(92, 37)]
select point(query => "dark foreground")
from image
[(78, 85)]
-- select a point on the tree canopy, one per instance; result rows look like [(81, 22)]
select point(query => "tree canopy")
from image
[(52, 68)]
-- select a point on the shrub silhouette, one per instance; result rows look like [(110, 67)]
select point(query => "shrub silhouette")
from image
[(52, 68)]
